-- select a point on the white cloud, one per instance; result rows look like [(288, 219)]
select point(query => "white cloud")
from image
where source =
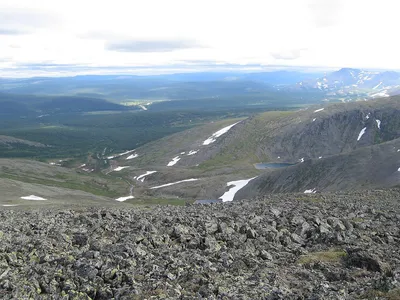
[(327, 33)]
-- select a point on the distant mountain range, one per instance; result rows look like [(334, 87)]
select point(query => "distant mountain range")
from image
[(344, 85), (355, 83)]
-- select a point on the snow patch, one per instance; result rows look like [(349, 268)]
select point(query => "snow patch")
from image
[(173, 183), (361, 133), (9, 205), (120, 154), (318, 110), (301, 159), (120, 168), (320, 157), (122, 199), (375, 87), (173, 161), (312, 191), (314, 119), (33, 197), (381, 94), (142, 177), (237, 185), (143, 107), (132, 156), (367, 116), (192, 152), (378, 122), (217, 134)]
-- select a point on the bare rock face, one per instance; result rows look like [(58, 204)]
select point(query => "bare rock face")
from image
[(282, 246)]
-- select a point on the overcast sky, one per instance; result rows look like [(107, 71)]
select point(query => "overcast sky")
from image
[(63, 37)]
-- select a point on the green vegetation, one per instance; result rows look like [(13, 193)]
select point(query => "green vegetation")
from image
[(44, 174), (330, 256), (244, 150), (377, 294)]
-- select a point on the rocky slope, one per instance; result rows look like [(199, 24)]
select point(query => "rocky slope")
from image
[(286, 246), (365, 168)]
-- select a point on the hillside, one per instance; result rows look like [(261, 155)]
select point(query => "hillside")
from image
[(339, 146), (15, 105), (53, 185), (283, 246)]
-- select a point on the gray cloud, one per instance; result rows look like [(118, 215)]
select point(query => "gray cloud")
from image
[(288, 55), (47, 65), (99, 35), (12, 31), (326, 12), (17, 22), (134, 45), (6, 59)]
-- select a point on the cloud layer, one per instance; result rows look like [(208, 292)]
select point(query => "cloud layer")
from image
[(150, 45), (79, 36), (19, 21)]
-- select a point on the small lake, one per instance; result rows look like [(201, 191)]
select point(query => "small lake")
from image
[(262, 166)]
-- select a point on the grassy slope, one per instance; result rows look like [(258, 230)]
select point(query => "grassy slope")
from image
[(34, 172)]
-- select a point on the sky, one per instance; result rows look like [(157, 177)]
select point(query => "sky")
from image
[(58, 37)]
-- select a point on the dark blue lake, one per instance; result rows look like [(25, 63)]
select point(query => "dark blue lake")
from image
[(262, 166)]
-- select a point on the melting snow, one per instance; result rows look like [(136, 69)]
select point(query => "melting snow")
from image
[(9, 205), (192, 152), (183, 153), (237, 185), (142, 177), (313, 191), (361, 133), (320, 157), (173, 161), (375, 87), (120, 154), (367, 116), (217, 134), (132, 156), (172, 183), (378, 122), (143, 107), (33, 197), (120, 168), (321, 109), (381, 94), (301, 159), (398, 169), (122, 199), (314, 119)]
